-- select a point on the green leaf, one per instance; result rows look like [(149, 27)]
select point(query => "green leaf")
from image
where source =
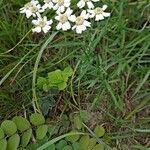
[(92, 143), (3, 144), (62, 85), (55, 77), (68, 147), (77, 121), (41, 131), (37, 119), (51, 147), (42, 83), (84, 142), (85, 116), (9, 127), (73, 138), (76, 146), (59, 78), (68, 71), (61, 144), (1, 133), (21, 123), (13, 142), (26, 136), (98, 147), (99, 131), (32, 146)]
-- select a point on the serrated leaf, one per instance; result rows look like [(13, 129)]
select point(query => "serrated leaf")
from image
[(77, 121), (99, 131), (76, 146), (55, 77), (68, 71), (84, 142), (1, 133), (37, 119), (26, 136), (59, 78), (62, 85), (72, 138), (68, 147), (41, 131), (21, 123), (13, 142), (41, 82), (92, 143), (3, 144), (9, 127), (61, 144), (98, 147)]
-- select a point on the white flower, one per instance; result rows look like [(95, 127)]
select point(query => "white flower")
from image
[(48, 4), (64, 19), (32, 8), (89, 3), (81, 22), (42, 24), (99, 13), (60, 5)]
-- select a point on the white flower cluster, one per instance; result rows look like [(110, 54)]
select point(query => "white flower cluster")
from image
[(65, 18)]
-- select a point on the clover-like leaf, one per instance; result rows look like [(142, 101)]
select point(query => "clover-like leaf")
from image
[(77, 121), (73, 138), (13, 142), (9, 127), (1, 133), (84, 141), (92, 143), (68, 147), (3, 144), (51, 147), (37, 119), (99, 131), (61, 144), (26, 136), (41, 131), (76, 146), (98, 147), (21, 123)]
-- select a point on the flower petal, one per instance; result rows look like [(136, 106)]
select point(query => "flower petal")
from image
[(104, 7), (66, 26), (99, 17), (37, 29), (46, 29), (59, 26), (90, 5), (72, 18)]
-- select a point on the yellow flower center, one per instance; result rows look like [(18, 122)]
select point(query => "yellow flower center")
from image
[(79, 20), (98, 10), (42, 23), (34, 9), (28, 5), (47, 1), (60, 2), (63, 18)]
